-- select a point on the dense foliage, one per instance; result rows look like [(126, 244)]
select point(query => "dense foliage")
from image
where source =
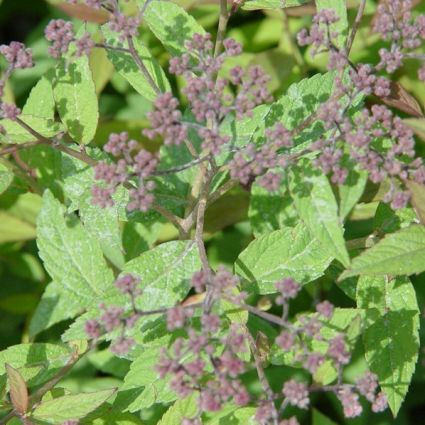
[(212, 213)]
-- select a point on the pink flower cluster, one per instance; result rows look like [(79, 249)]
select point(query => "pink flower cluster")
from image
[(113, 317), (206, 95), (130, 164), (360, 139)]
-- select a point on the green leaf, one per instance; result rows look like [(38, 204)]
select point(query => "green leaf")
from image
[(417, 125), (104, 225), (417, 191), (171, 24), (117, 239), (316, 205), (165, 273), (320, 419), (40, 102), (116, 418), (101, 67), (76, 100), (344, 320), (181, 409), (172, 190), (37, 362), (234, 415), (71, 256), (17, 134), (46, 164), (142, 374), (14, 229), (25, 206), (271, 4), (27, 354), (300, 101), (400, 253), (18, 216), (234, 313), (391, 334), (289, 252), (6, 177), (67, 407), (18, 389), (341, 27), (271, 211), (56, 305), (107, 362), (326, 373), (78, 178), (351, 191), (127, 68), (139, 237), (242, 131), (20, 304), (387, 220)]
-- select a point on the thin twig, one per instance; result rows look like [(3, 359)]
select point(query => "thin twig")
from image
[(181, 167), (10, 149), (191, 148), (414, 56), (355, 27), (200, 218), (12, 414), (263, 314), (82, 156), (230, 184), (191, 210), (37, 396), (177, 221), (143, 9), (109, 47), (141, 65), (51, 383), (166, 309), (222, 26), (34, 187), (262, 377), (23, 165)]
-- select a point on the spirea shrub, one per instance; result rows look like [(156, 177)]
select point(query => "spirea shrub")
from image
[(125, 218)]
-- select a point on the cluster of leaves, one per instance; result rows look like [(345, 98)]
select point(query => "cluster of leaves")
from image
[(174, 234)]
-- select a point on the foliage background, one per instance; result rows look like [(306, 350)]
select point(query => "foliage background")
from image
[(268, 40)]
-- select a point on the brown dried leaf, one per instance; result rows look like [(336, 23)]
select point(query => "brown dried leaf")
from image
[(264, 303), (83, 12), (402, 100), (18, 390), (263, 347), (194, 299)]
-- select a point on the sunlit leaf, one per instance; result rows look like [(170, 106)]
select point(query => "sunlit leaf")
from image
[(391, 335)]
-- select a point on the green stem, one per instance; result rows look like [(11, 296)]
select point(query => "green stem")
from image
[(222, 26)]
